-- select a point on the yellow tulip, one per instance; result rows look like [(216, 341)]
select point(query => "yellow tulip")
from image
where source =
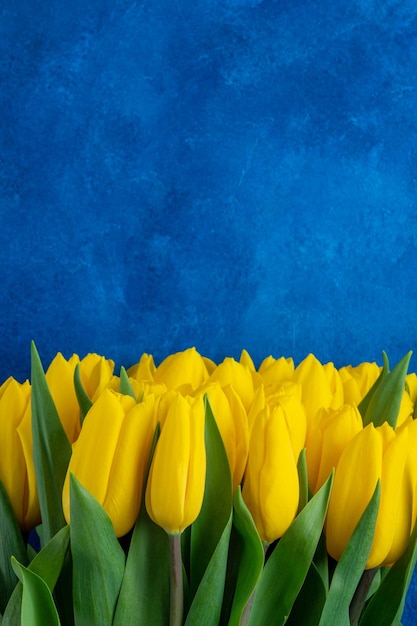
[(17, 471), (232, 422), (330, 432), (230, 372), (95, 373), (271, 487), (110, 456), (60, 379), (316, 388), (358, 380), (184, 371), (287, 396), (275, 371), (336, 385), (144, 370), (375, 453), (176, 482), (257, 405)]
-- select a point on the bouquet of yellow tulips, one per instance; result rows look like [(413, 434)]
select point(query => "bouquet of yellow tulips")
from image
[(200, 493)]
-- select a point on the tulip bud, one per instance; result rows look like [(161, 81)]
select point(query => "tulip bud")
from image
[(287, 396), (271, 487), (95, 373), (316, 389), (232, 373), (144, 370), (275, 371), (60, 379), (375, 453), (176, 482), (358, 380), (184, 371), (232, 422), (17, 471), (110, 456), (331, 431)]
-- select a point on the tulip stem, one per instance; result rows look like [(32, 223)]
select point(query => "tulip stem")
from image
[(176, 582), (361, 593)]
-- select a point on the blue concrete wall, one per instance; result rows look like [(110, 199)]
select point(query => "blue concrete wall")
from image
[(217, 173)]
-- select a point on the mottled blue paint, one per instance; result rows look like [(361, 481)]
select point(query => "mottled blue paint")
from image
[(223, 174)]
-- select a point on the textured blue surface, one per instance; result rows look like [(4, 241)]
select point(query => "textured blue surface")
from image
[(223, 174)]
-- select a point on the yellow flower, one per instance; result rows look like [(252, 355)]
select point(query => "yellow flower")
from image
[(330, 432), (375, 453), (316, 388), (95, 373), (60, 379), (238, 376), (110, 456), (144, 370), (175, 489), (184, 371), (271, 487), (275, 371), (17, 471), (358, 380), (232, 422), (287, 396)]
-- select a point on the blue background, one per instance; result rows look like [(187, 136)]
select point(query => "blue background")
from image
[(221, 173)]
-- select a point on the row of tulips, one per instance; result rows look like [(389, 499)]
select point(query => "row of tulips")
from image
[(196, 492)]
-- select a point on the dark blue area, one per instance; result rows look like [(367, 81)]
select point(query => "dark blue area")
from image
[(223, 174)]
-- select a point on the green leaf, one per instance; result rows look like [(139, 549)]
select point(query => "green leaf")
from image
[(47, 564), (250, 556), (51, 451), (303, 480), (307, 609), (207, 602), (38, 608), (351, 566), (387, 605), (11, 544), (125, 385), (82, 396), (385, 402), (147, 570), (364, 403), (287, 567), (217, 504), (98, 559)]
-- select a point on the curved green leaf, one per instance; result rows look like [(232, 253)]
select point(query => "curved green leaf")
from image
[(387, 605), (82, 396), (385, 402), (38, 608), (250, 557), (11, 544), (351, 566), (48, 565), (280, 584), (98, 559), (307, 608), (207, 602), (364, 403), (208, 528), (51, 451), (303, 480)]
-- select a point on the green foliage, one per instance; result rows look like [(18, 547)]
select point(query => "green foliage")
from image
[(287, 567), (98, 559), (51, 451)]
